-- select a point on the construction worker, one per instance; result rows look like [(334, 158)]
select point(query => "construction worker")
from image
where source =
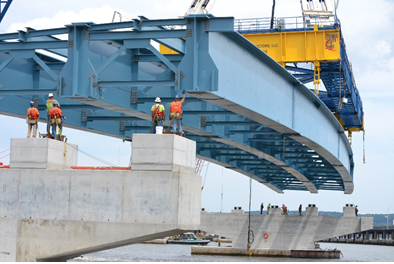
[(158, 114), (356, 210), (49, 105), (268, 208), (56, 116), (300, 209), (176, 114), (284, 208), (32, 116), (261, 208)]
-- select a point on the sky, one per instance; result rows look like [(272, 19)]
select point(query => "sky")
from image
[(366, 27)]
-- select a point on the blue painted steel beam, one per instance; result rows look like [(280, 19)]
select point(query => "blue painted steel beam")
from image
[(230, 109), (6, 46), (3, 9)]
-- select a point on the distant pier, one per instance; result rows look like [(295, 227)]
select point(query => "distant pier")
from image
[(377, 236)]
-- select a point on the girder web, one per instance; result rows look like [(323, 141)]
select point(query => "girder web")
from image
[(108, 80)]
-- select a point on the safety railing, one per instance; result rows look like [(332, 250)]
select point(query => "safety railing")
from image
[(264, 24)]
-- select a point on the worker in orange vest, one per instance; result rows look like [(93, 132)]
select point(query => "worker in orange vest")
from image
[(158, 114), (32, 116), (176, 114), (55, 115)]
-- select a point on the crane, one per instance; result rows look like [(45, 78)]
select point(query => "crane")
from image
[(199, 7)]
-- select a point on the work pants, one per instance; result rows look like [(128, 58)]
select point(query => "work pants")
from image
[(29, 126), (156, 123), (48, 122), (54, 128), (177, 123)]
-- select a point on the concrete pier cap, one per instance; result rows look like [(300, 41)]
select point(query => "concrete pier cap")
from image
[(50, 212), (349, 210), (42, 153)]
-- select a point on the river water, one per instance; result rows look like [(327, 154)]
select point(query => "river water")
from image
[(182, 253)]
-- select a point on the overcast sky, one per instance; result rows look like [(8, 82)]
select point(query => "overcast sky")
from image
[(367, 29)]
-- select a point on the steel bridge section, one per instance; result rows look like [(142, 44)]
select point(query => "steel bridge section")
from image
[(245, 111), (299, 42)]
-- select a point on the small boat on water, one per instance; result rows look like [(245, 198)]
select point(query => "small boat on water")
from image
[(187, 239)]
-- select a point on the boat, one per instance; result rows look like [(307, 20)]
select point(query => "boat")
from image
[(187, 239)]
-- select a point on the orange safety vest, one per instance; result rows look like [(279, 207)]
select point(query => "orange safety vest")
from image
[(55, 112), (176, 107), (33, 113), (156, 109)]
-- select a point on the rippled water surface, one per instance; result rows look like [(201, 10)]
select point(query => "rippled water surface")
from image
[(182, 253)]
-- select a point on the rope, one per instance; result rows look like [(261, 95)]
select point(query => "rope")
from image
[(205, 177), (94, 157), (58, 129), (153, 122), (172, 120), (38, 130), (5, 156), (65, 151), (4, 151)]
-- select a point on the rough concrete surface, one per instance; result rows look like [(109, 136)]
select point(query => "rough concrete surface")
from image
[(42, 153), (283, 232), (54, 214)]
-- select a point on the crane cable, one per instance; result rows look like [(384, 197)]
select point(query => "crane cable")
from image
[(250, 231), (364, 146)]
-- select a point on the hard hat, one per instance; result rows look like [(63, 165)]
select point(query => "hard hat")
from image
[(157, 100), (50, 95), (55, 104), (176, 97), (32, 103)]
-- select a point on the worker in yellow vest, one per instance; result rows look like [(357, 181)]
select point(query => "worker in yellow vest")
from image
[(176, 114), (49, 105), (158, 113)]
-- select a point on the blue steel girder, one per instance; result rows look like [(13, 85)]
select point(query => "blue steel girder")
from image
[(244, 110), (4, 5)]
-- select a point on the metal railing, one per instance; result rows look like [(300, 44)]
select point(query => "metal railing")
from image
[(264, 24)]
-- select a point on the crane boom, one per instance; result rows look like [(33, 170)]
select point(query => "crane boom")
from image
[(199, 7)]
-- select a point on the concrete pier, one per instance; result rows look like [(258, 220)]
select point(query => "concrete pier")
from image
[(49, 211), (277, 234)]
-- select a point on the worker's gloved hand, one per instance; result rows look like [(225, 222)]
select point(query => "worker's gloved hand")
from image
[(64, 117), (183, 91)]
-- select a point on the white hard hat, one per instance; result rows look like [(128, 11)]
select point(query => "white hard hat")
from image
[(50, 95), (157, 100)]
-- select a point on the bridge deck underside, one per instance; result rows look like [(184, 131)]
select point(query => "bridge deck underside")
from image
[(107, 81)]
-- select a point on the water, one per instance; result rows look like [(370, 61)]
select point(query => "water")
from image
[(182, 253)]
